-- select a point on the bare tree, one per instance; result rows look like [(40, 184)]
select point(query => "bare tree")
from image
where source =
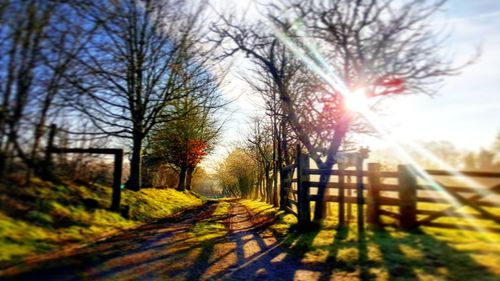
[(263, 84), (38, 47), (277, 71), (140, 59), (259, 146)]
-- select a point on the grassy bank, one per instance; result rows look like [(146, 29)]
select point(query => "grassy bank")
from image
[(48, 216)]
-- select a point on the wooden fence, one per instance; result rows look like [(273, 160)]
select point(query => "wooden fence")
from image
[(406, 196), (117, 170)]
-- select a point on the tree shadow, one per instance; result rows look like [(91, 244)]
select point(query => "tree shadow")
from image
[(338, 243), (363, 259), (272, 261), (302, 239), (406, 255), (391, 254)]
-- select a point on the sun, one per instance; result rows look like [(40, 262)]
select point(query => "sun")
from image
[(356, 100)]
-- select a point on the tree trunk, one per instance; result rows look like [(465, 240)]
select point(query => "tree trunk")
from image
[(283, 190), (284, 145), (275, 189), (326, 167), (319, 208), (275, 164), (269, 189), (260, 186), (182, 179), (135, 178), (39, 131), (189, 177), (262, 189), (3, 164), (255, 195)]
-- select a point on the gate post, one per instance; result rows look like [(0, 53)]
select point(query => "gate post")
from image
[(285, 186), (50, 144), (117, 180), (407, 197), (47, 163), (373, 199), (303, 205), (283, 189)]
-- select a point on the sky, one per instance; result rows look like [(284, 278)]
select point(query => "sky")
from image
[(465, 111)]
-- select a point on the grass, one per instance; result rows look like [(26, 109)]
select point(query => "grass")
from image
[(211, 228), (284, 221), (389, 253), (48, 216)]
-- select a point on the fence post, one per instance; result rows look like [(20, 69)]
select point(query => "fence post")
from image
[(373, 199), (289, 179), (117, 180), (341, 197), (285, 186), (47, 162), (407, 197), (303, 205), (359, 193), (50, 144), (349, 202), (282, 189)]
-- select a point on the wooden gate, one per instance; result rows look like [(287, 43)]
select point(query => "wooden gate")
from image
[(430, 198), (458, 203), (117, 170), (298, 185)]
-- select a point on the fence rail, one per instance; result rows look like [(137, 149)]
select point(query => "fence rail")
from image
[(117, 169)]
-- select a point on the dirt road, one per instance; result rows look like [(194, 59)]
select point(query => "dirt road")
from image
[(171, 250)]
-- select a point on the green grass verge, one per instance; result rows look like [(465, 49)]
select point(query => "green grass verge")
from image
[(47, 216)]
